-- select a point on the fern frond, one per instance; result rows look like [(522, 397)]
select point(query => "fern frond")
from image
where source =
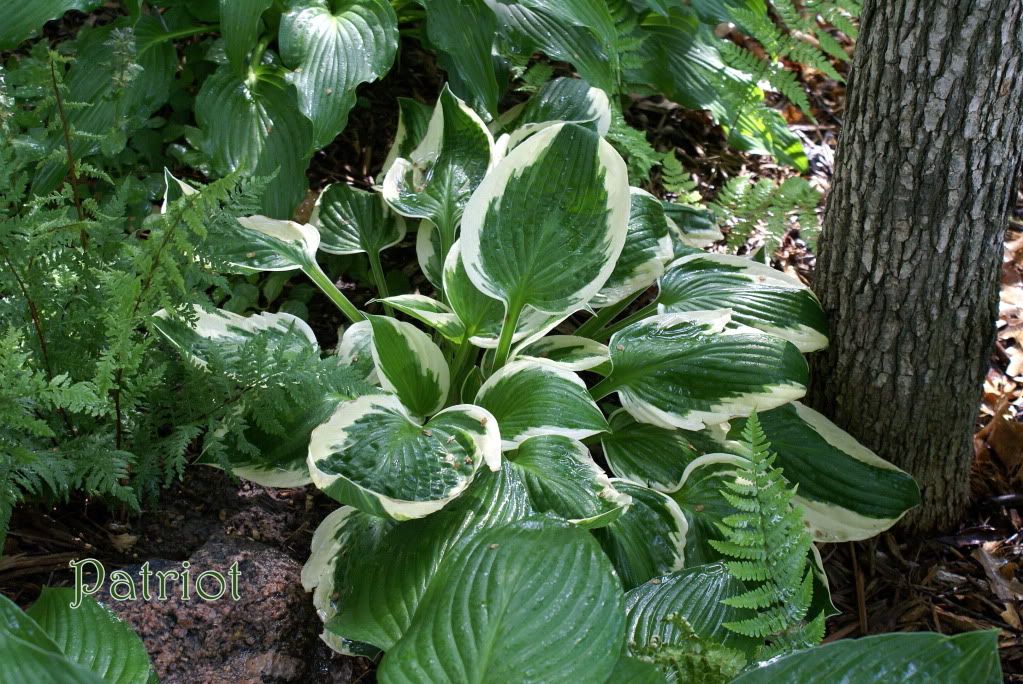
[(767, 546)]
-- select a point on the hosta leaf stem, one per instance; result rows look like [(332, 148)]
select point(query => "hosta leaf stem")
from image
[(511, 320), (594, 326), (321, 280), (605, 334)]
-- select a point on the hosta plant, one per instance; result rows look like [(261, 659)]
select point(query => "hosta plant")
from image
[(540, 476)]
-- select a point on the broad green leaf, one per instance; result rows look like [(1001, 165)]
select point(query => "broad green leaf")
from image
[(917, 658), (688, 370), (482, 315), (409, 364), (563, 479), (554, 616), (252, 125), (584, 39), (462, 33), (566, 351), (116, 109), (372, 454), (351, 221), (547, 225), (381, 588), (261, 243), (30, 656), (690, 228), (679, 57), (437, 315), (694, 594), (846, 491), (92, 637), (239, 25), (648, 248), (225, 333), (759, 296), (636, 671), (563, 99), (646, 454), (22, 20), (413, 120), (439, 175), (648, 539), (355, 349), (532, 398), (331, 49)]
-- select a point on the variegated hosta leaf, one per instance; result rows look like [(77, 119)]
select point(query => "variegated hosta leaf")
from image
[(563, 479), (437, 315), (899, 657), (250, 125), (687, 370), (343, 539), (646, 454), (372, 454), (758, 295), (355, 349), (699, 496), (437, 178), (225, 332), (563, 99), (331, 50), (351, 221), (409, 364), (566, 351), (555, 615), (547, 225), (462, 34), (690, 227), (174, 189), (481, 315), (265, 244), (413, 119), (647, 249), (380, 584), (847, 492), (695, 595), (428, 252), (531, 398), (648, 539)]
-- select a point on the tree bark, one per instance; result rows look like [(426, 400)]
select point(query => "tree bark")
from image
[(908, 270)]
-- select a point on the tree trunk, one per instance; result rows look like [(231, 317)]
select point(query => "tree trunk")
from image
[(910, 257)]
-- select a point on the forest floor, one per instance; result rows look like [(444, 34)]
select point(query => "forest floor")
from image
[(966, 580)]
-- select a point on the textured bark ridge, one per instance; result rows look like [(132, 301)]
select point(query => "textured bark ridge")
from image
[(910, 257)]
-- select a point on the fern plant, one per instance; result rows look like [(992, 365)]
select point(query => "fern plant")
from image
[(769, 209), (799, 35), (768, 545)]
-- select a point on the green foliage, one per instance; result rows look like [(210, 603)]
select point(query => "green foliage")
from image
[(677, 181), (798, 36), (632, 144), (64, 638), (747, 208), (768, 546), (690, 657)]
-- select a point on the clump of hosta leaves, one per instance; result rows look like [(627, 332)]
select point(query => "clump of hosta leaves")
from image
[(768, 547)]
